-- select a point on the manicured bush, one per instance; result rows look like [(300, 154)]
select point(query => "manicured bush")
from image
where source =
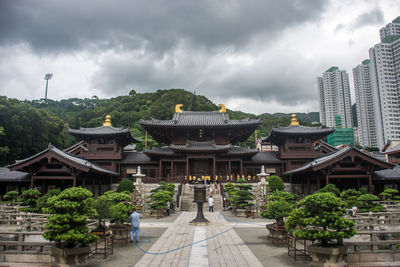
[(29, 198), (350, 198), (389, 193), (229, 187), (330, 188), (320, 217), (275, 183), (11, 195), (279, 206), (121, 205), (41, 203), (367, 203), (126, 185), (163, 186), (103, 207), (67, 221), (159, 199)]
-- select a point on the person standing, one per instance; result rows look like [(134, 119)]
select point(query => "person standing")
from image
[(211, 204), (168, 207), (135, 225)]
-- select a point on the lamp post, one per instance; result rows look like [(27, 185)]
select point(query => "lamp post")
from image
[(47, 77)]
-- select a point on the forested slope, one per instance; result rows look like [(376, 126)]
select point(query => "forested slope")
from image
[(26, 127)]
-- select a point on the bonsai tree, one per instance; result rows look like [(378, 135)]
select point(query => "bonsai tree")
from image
[(367, 203), (11, 195), (320, 217), (103, 207), (126, 185), (350, 198), (330, 188), (29, 198), (159, 199), (389, 193), (120, 205), (275, 183), (163, 186), (41, 203), (241, 195), (67, 223), (279, 206), (229, 187)]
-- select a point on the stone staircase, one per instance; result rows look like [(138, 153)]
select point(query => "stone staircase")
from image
[(187, 203)]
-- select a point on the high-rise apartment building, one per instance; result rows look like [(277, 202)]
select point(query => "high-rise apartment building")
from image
[(334, 93), (385, 83), (365, 108), (392, 28)]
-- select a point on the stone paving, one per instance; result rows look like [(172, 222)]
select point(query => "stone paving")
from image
[(225, 249)]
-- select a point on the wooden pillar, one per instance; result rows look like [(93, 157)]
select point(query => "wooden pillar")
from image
[(84, 182), (318, 183), (31, 179), (187, 168), (229, 168), (172, 171), (370, 183), (94, 186), (241, 168), (308, 186), (74, 181), (159, 170), (43, 184), (302, 186), (327, 179), (214, 167)]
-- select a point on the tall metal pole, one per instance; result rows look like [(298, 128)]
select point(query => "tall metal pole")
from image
[(47, 77)]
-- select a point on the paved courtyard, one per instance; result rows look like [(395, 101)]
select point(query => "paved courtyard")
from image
[(226, 241)]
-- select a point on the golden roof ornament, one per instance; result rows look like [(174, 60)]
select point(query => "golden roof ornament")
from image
[(294, 121), (223, 108), (178, 108), (107, 122)]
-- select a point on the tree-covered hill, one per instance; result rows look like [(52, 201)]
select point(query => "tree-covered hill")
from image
[(28, 126)]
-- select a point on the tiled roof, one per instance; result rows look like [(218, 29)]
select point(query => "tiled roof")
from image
[(264, 157), (12, 176), (328, 157), (396, 148), (79, 161), (75, 146), (200, 119), (159, 151), (278, 135), (200, 146), (130, 147), (136, 157), (388, 174), (104, 130)]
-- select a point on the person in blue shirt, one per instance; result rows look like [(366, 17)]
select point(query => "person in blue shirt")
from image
[(135, 225)]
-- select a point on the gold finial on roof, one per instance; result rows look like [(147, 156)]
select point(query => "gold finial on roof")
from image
[(107, 122), (178, 108), (223, 108), (294, 121)]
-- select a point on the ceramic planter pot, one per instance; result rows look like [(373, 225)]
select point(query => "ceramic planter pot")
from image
[(327, 256), (66, 257)]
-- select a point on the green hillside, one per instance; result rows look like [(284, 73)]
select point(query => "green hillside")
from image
[(26, 127)]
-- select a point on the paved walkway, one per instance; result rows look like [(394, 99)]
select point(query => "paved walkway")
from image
[(225, 249)]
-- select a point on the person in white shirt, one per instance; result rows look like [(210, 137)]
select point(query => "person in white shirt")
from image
[(211, 204)]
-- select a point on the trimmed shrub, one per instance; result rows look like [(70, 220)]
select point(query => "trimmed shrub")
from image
[(29, 198), (389, 193), (42, 205), (280, 205), (11, 195), (275, 183), (350, 198), (320, 217), (67, 223), (126, 185), (329, 188), (367, 203)]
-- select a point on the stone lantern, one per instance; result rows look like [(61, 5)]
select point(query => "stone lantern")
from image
[(199, 199)]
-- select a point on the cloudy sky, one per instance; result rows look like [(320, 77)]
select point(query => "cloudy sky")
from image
[(255, 55)]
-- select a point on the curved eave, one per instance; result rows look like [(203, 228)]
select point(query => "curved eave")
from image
[(277, 135), (123, 134)]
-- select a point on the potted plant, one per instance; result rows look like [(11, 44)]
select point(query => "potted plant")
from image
[(367, 203), (320, 217), (279, 206), (159, 201), (11, 196), (103, 207), (29, 198), (67, 225), (126, 185), (241, 196)]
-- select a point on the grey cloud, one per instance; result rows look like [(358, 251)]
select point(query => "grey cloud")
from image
[(59, 26), (373, 17)]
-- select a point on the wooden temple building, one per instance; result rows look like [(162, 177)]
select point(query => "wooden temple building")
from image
[(201, 145), (310, 163)]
